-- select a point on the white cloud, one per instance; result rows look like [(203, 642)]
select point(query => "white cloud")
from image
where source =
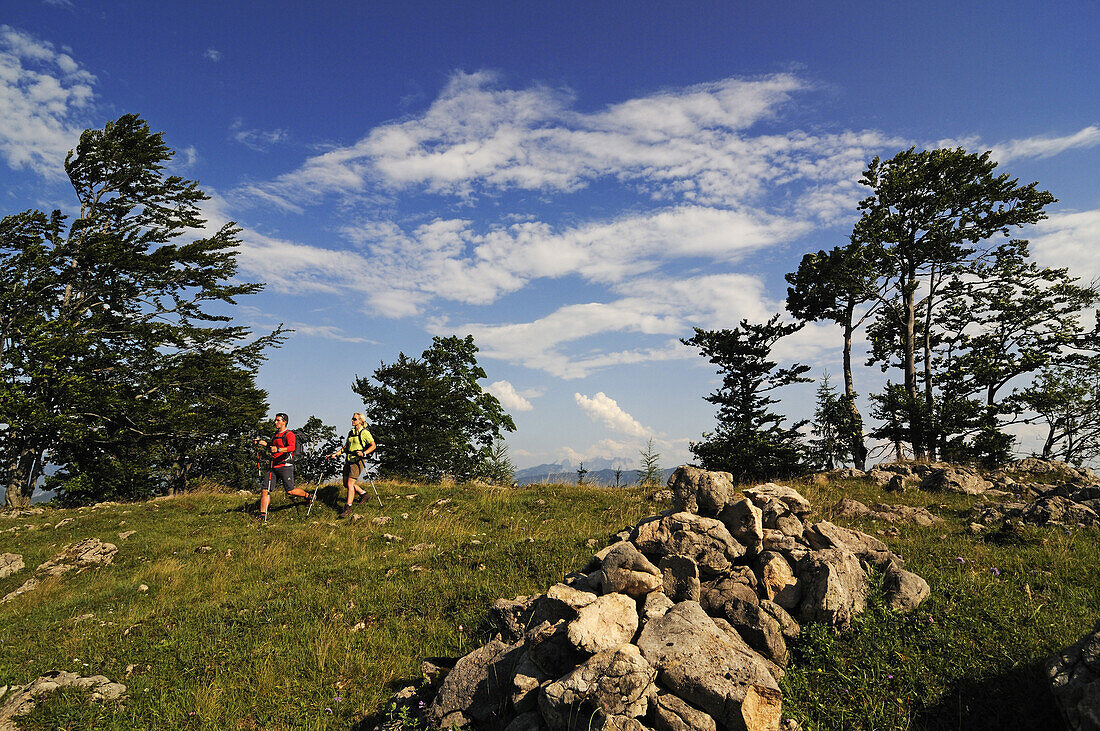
[(663, 307), (510, 398), (44, 97), (212, 54), (1069, 240), (1040, 147), (689, 145), (255, 139), (603, 409)]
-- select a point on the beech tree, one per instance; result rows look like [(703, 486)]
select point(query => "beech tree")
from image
[(430, 416), (98, 312), (831, 285), (930, 216)]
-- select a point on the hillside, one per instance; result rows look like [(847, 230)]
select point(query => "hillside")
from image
[(214, 621)]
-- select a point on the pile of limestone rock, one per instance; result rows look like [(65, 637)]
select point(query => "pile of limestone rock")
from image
[(1045, 492), (682, 623), (1074, 675)]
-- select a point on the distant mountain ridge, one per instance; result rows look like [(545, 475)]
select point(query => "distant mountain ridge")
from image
[(600, 472)]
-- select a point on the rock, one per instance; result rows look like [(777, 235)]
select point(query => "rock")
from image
[(656, 605), (777, 579), (681, 578), (701, 492), (610, 683), (662, 496), (789, 525), (381, 520), (22, 699), (390, 537), (848, 508), (700, 663), (714, 595), (903, 590), (1074, 676), (81, 555), (759, 629), (627, 571), (421, 547), (787, 625), (790, 497), (745, 522), (1059, 511), (704, 540), (834, 587), (825, 535), (609, 621), (529, 721), (126, 534), (10, 563), (508, 618), (954, 478), (550, 649), (475, 688), (896, 484), (670, 713), (526, 681)]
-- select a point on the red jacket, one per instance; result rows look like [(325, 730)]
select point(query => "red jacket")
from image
[(283, 440)]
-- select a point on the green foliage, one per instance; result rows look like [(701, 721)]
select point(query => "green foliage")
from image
[(499, 469), (320, 440), (430, 416), (930, 217), (750, 441), (832, 423), (112, 359), (1067, 399), (650, 473)]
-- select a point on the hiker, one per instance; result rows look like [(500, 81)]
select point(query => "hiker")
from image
[(281, 466), (359, 444)]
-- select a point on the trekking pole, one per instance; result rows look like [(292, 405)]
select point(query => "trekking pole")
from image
[(312, 497), (369, 474)]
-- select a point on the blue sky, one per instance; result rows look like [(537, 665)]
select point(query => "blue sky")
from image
[(576, 184)]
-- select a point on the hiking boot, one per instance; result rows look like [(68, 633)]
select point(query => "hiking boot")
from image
[(345, 512), (360, 497)]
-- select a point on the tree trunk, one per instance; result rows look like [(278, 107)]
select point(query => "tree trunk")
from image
[(22, 477), (916, 423), (855, 437), (929, 410)]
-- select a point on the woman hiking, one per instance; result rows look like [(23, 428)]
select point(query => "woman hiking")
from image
[(359, 444)]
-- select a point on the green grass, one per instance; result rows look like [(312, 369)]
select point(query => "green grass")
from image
[(244, 626)]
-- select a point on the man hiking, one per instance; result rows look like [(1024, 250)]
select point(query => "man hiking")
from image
[(358, 445), (281, 467)]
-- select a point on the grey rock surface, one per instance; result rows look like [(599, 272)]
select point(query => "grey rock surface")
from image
[(699, 663)]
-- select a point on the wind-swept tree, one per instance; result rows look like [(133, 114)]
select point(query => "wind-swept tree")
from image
[(930, 216), (750, 441), (97, 313), (833, 285)]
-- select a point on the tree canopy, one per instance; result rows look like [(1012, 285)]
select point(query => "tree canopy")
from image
[(430, 416), (117, 367)]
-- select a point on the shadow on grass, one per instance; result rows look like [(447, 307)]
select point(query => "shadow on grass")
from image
[(1019, 699)]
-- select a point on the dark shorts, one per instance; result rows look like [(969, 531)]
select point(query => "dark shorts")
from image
[(353, 469), (284, 475)]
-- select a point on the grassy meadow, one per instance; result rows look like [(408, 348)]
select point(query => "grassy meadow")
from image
[(313, 623)]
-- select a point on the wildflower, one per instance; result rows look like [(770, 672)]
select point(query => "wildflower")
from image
[(994, 570), (328, 711), (191, 713), (337, 699), (460, 628), (960, 559)]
